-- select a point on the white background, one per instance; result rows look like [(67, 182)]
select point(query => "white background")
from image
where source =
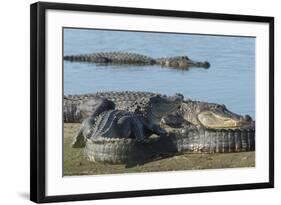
[(14, 102)]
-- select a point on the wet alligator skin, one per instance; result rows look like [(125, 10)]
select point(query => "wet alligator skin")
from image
[(121, 58)]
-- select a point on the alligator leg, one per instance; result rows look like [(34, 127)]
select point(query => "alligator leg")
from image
[(130, 127), (153, 128), (137, 128), (158, 147), (156, 129), (172, 120)]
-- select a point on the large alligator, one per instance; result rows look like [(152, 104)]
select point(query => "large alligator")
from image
[(194, 127), (208, 115), (180, 62), (109, 123)]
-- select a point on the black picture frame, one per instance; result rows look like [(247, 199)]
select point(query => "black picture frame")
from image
[(38, 101)]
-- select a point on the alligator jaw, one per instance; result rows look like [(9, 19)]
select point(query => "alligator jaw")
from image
[(212, 115), (215, 121)]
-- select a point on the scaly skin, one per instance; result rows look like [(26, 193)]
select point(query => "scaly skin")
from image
[(191, 129), (107, 122), (209, 115), (122, 100), (177, 141), (195, 112), (178, 62)]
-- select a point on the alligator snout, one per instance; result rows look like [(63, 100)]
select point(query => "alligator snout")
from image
[(206, 64)]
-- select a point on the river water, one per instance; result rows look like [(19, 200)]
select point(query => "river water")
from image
[(230, 80)]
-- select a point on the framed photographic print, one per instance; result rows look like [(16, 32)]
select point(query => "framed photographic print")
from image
[(129, 102)]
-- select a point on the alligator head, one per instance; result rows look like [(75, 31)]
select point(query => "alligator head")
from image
[(182, 62), (214, 116), (156, 107)]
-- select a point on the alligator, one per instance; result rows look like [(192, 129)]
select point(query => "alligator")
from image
[(208, 115), (78, 107), (102, 58), (194, 127), (76, 110), (109, 123)]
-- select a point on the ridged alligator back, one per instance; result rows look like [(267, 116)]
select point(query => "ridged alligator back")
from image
[(113, 57), (179, 62), (115, 96), (123, 101), (106, 122), (107, 125)]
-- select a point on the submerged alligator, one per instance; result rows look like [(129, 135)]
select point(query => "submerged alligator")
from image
[(181, 62), (194, 126)]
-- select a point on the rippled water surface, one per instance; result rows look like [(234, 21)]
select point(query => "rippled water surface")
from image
[(230, 80)]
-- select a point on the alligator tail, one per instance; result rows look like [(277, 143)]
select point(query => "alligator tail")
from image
[(215, 141), (118, 151), (113, 151)]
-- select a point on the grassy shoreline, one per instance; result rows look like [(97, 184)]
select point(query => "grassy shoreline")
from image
[(76, 163)]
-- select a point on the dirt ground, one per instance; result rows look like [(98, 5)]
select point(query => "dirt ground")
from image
[(76, 163)]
